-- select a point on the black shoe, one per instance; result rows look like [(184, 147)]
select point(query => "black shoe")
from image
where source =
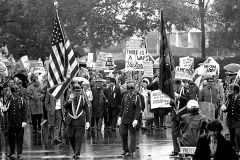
[(76, 156), (19, 156), (124, 152), (129, 154), (57, 141), (10, 154), (173, 154)]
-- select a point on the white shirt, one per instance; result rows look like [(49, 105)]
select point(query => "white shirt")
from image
[(58, 104)]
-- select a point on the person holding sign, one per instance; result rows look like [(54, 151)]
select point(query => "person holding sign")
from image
[(211, 94)]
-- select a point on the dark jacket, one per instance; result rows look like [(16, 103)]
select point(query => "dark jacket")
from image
[(17, 112), (80, 121), (224, 151), (233, 112), (114, 97), (184, 98), (192, 126), (130, 108), (99, 101)]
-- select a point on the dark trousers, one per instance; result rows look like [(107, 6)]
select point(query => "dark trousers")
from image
[(98, 122), (55, 123), (15, 134), (175, 135), (158, 120), (235, 138), (36, 121), (124, 128), (113, 116), (76, 136)]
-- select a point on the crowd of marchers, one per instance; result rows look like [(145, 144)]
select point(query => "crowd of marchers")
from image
[(112, 102)]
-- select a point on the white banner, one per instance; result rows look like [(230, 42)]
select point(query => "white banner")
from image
[(42, 79), (148, 69), (159, 100), (39, 70), (25, 62), (186, 62), (184, 73), (209, 68), (101, 60), (135, 58)]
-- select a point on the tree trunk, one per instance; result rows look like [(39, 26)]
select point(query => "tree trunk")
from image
[(91, 40), (202, 17)]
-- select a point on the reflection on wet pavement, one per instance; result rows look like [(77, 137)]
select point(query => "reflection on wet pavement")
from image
[(98, 145)]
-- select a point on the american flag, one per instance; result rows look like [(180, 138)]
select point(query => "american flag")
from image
[(63, 65)]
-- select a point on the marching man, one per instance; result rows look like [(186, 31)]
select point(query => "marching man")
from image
[(77, 119), (128, 118), (17, 120)]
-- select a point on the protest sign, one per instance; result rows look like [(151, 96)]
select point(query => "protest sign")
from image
[(184, 73), (159, 100), (148, 69), (109, 60), (43, 80), (90, 60), (101, 60), (135, 58), (186, 62), (209, 68), (38, 70), (25, 62)]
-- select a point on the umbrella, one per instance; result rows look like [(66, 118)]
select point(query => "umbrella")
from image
[(232, 67), (80, 79)]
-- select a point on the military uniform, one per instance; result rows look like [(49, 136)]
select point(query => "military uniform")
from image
[(233, 120), (17, 114), (77, 115), (130, 111)]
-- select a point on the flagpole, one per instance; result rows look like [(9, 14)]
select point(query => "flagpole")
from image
[(56, 6)]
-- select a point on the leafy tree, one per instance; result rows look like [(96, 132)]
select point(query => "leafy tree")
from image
[(94, 24), (225, 22)]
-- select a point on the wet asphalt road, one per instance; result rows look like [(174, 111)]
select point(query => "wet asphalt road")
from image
[(98, 145)]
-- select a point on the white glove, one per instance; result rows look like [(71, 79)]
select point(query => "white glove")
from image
[(87, 125), (119, 121), (24, 124), (71, 96), (176, 95), (155, 80), (135, 122), (223, 107)]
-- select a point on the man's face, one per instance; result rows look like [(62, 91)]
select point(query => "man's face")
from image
[(210, 83), (10, 83), (137, 88), (107, 80), (111, 84), (78, 92), (24, 72), (214, 134), (16, 93), (231, 90), (144, 85), (99, 84)]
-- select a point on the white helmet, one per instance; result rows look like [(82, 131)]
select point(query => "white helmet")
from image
[(192, 105)]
